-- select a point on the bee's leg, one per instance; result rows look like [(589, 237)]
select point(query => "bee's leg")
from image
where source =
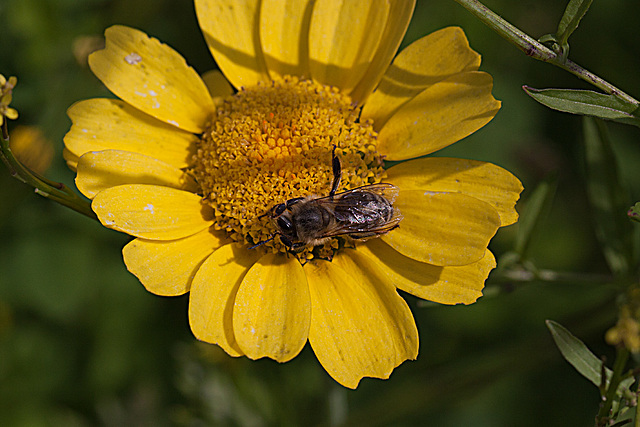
[(337, 172), (285, 241)]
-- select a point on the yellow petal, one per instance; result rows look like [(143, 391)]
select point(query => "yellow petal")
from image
[(444, 285), (100, 170), (217, 83), (284, 34), (167, 267), (423, 63), (104, 124), (404, 333), (230, 29), (350, 333), (213, 294), (153, 78), (443, 228), (396, 26), (439, 116), (272, 310), (70, 158), (152, 212), (484, 181), (343, 39)]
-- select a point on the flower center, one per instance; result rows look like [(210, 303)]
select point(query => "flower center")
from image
[(273, 142)]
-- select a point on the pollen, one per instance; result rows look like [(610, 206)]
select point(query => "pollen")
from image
[(273, 142)]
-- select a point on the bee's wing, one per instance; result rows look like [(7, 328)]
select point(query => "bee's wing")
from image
[(384, 189), (341, 203)]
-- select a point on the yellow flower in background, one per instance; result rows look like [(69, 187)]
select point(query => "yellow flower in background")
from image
[(192, 169), (32, 148)]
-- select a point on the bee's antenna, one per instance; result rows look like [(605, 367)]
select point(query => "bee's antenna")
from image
[(263, 242)]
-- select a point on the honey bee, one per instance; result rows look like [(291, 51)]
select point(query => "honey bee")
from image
[(361, 213)]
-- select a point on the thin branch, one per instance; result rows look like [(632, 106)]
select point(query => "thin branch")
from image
[(55, 191), (533, 48)]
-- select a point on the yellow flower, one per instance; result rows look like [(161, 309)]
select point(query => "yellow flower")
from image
[(191, 170), (626, 333), (6, 95)]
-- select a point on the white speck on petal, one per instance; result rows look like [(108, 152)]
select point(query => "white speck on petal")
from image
[(173, 122), (133, 58), (149, 208), (140, 94), (153, 93)]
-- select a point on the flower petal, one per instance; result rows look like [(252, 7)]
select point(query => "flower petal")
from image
[(167, 267), (439, 116), (100, 170), (272, 310), (217, 83), (231, 32), (484, 181), (394, 308), (423, 63), (153, 78), (284, 34), (151, 211), (443, 228), (103, 124), (400, 13), (444, 285), (350, 331), (213, 294), (343, 39), (70, 158)]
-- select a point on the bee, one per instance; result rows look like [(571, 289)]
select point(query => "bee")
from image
[(361, 213)]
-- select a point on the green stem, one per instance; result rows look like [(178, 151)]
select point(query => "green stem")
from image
[(55, 191), (604, 414), (522, 275), (533, 48)]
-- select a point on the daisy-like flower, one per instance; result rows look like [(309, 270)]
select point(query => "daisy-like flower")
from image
[(191, 166)]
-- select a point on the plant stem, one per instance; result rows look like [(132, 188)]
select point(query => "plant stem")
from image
[(55, 191), (622, 355), (521, 275), (533, 48)]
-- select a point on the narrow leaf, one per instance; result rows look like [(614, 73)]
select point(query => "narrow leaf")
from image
[(574, 12), (587, 103), (607, 197), (580, 357), (538, 204)]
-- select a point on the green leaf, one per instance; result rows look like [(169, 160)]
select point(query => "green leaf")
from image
[(587, 103), (607, 198), (580, 357), (574, 12), (538, 204)]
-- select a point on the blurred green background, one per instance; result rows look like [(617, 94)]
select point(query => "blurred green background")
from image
[(82, 343)]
